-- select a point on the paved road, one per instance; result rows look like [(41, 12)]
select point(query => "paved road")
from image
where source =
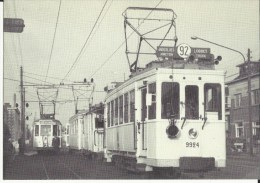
[(75, 166), (238, 167)]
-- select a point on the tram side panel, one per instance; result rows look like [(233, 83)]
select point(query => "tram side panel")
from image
[(75, 135), (93, 141)]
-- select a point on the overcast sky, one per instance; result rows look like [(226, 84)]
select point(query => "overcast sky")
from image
[(233, 23)]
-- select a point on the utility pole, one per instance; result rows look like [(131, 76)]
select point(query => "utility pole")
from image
[(22, 109), (249, 104)]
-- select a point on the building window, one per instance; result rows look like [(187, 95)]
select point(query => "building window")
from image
[(212, 99), (192, 102), (255, 97), (170, 100), (116, 111), (256, 130), (152, 108), (238, 100), (126, 108), (132, 106), (108, 114), (239, 130), (121, 109)]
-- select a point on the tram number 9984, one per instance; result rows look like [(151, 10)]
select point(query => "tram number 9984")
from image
[(192, 144)]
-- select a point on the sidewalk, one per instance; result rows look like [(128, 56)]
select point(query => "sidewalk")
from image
[(244, 156)]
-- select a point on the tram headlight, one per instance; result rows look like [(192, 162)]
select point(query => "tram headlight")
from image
[(193, 133), (172, 131)]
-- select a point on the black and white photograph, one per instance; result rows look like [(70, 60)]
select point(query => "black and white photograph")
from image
[(130, 90)]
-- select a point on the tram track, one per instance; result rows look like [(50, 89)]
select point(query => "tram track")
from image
[(46, 173), (68, 168), (54, 168)]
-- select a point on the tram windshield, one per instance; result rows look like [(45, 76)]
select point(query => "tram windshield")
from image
[(192, 102), (212, 93), (170, 100), (55, 130), (36, 130), (45, 130)]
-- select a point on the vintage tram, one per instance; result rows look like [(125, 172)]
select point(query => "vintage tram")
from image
[(169, 116), (46, 134), (86, 131)]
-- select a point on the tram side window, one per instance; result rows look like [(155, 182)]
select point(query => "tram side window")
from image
[(121, 109), (55, 130), (212, 99), (112, 113), (144, 107), (76, 127), (152, 108), (192, 102), (108, 114), (36, 130), (68, 129), (132, 105), (126, 108), (170, 100), (116, 111)]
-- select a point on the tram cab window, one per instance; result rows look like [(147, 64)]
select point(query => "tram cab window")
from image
[(99, 122), (45, 130), (36, 129), (152, 108), (192, 102), (212, 99), (55, 130), (170, 100)]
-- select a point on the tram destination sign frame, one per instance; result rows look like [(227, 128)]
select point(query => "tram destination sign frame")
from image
[(165, 51), (201, 53)]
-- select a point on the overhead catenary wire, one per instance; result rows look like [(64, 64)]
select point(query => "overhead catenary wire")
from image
[(47, 76), (36, 79), (77, 58), (122, 43), (57, 19)]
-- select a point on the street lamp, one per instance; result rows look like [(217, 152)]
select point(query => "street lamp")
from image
[(249, 86)]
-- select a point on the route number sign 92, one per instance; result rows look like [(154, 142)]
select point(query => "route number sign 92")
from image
[(184, 50)]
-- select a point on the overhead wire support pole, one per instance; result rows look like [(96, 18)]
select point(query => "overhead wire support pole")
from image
[(249, 104), (22, 110)]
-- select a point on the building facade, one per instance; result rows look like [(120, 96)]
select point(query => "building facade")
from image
[(11, 117), (239, 130)]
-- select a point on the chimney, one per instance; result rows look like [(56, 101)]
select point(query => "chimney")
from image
[(14, 104)]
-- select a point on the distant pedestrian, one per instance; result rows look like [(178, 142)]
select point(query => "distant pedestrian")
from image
[(56, 143), (21, 145)]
